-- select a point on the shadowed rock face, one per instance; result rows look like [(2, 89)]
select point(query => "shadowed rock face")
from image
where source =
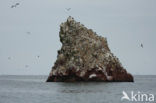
[(85, 56)]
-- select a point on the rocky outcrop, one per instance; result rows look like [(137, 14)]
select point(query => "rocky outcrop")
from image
[(85, 56)]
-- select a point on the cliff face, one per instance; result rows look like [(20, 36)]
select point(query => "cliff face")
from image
[(85, 56)]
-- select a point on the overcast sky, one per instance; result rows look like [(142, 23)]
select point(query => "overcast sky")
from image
[(32, 29)]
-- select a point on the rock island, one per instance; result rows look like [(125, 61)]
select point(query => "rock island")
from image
[(85, 56)]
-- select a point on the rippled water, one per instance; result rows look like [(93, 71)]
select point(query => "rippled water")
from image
[(34, 89)]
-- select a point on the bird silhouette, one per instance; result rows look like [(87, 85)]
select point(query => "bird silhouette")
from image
[(13, 6), (9, 58), (28, 32), (125, 96), (17, 3), (26, 66), (68, 9), (38, 56), (142, 45)]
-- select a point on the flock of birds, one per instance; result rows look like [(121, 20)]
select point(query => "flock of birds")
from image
[(26, 66), (14, 6), (67, 9)]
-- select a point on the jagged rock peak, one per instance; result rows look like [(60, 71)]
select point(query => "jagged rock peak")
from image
[(85, 56)]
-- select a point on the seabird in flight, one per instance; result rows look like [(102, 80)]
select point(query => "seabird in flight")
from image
[(142, 45), (68, 9)]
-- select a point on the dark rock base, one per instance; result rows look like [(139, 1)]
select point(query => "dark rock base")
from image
[(112, 76)]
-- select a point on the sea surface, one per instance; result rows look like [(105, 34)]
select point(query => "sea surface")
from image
[(34, 89)]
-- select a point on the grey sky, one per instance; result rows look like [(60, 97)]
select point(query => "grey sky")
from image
[(125, 23)]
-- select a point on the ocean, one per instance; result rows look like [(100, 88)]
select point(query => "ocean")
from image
[(34, 89)]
